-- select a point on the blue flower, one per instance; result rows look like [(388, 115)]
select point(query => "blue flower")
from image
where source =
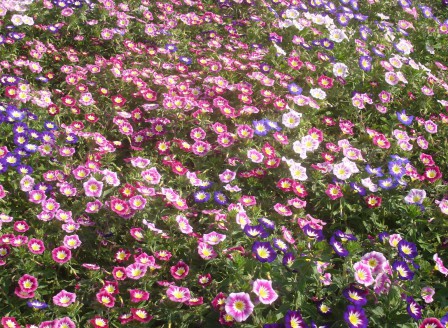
[(294, 89), (260, 127), (220, 198), (365, 63), (171, 47), (35, 304), (201, 196), (263, 251), (404, 118)]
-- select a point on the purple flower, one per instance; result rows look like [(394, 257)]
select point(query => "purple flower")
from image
[(288, 260), (294, 89), (201, 196), (355, 317), (337, 247), (404, 273), (35, 304), (255, 231), (280, 245), (356, 295), (313, 233), (407, 249), (414, 309), (344, 236), (365, 63), (264, 251), (293, 319)]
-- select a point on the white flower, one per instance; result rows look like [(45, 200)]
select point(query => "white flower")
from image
[(318, 93), (291, 119), (16, 20), (337, 35), (298, 172), (340, 70)]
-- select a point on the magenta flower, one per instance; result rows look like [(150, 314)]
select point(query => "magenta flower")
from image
[(105, 299), (263, 289), (239, 306), (93, 187), (138, 295), (64, 298), (180, 270), (178, 294), (28, 283), (61, 254)]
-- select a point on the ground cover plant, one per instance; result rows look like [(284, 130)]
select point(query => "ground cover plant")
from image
[(247, 163)]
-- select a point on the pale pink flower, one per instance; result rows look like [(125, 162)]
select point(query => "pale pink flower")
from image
[(93, 187), (178, 294), (64, 298), (239, 306), (263, 289)]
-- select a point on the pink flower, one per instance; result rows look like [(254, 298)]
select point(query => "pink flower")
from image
[(239, 306), (363, 274), (184, 225), (334, 191), (137, 202), (65, 322), (93, 187), (136, 271), (72, 242), (36, 246), (206, 251), (36, 196), (61, 254), (263, 289), (151, 176), (427, 294), (439, 265), (213, 238), (201, 148), (431, 127), (93, 207), (64, 298), (28, 283), (178, 294)]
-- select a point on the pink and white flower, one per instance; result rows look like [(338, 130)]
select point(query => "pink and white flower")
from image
[(263, 289), (239, 306), (64, 298)]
